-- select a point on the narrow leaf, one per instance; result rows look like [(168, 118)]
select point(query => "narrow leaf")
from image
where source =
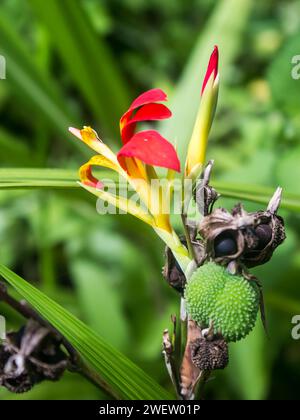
[(30, 178), (86, 58), (125, 378)]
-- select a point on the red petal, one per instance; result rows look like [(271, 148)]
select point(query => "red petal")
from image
[(152, 95), (148, 111), (151, 148), (212, 67), (152, 112)]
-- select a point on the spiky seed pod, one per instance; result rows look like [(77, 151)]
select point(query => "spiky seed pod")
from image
[(230, 301), (209, 355)]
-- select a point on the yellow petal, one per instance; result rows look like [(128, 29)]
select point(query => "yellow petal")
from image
[(90, 137), (85, 171), (137, 176), (122, 203)]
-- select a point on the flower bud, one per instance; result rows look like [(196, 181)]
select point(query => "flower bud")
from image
[(209, 95)]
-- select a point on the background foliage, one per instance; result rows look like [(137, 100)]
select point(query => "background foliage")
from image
[(83, 61)]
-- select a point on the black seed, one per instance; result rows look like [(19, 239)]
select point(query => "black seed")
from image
[(264, 234), (225, 245)]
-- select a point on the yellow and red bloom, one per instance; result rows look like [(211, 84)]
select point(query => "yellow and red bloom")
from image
[(135, 162), (142, 151)]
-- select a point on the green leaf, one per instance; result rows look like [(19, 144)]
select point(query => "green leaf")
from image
[(14, 151), (283, 303), (27, 178), (257, 193), (24, 178), (31, 83), (100, 301), (288, 170), (284, 81), (37, 174), (87, 60), (224, 28), (123, 377), (250, 380)]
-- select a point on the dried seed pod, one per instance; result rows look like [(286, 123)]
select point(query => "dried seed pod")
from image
[(250, 238), (205, 195), (270, 233), (223, 233), (29, 356), (209, 355), (172, 272), (19, 383)]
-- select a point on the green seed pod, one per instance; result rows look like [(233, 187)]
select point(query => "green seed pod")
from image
[(230, 301)]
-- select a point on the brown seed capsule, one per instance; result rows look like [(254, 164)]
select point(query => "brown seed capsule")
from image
[(204, 195), (270, 233), (209, 355), (173, 273), (30, 356), (250, 238), (223, 234)]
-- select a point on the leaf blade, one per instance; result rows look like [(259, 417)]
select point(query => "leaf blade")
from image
[(45, 178), (123, 376), (87, 59)]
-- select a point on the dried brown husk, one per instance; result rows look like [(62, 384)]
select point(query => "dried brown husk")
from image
[(241, 227), (29, 356)]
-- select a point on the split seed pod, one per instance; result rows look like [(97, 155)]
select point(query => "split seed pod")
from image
[(172, 271), (250, 238), (29, 356)]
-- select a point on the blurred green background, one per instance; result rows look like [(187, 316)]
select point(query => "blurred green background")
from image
[(76, 62)]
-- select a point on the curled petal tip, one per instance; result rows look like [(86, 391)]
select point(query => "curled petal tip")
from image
[(96, 184), (144, 108), (152, 95), (75, 132)]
